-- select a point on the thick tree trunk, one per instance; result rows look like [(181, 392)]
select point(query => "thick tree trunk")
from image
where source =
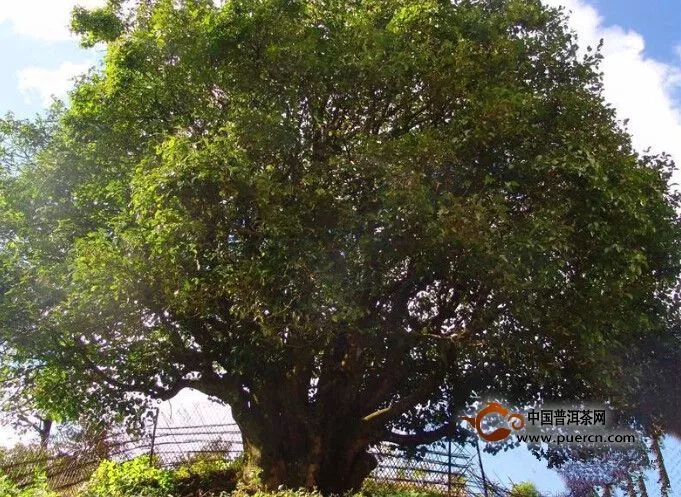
[(292, 442), (354, 467), (306, 464)]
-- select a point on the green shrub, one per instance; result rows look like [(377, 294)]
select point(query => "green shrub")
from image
[(138, 477), (204, 465), (208, 473), (37, 489), (372, 488), (21, 463), (278, 493), (524, 489), (214, 476)]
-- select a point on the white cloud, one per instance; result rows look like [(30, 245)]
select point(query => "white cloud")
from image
[(9, 437), (43, 19), (638, 86), (46, 83)]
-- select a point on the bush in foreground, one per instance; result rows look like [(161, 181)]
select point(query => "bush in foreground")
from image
[(208, 477), (141, 477), (38, 489), (373, 488), (138, 477), (208, 474), (524, 489)]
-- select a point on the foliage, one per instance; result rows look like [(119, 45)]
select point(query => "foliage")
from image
[(277, 493), (97, 25), (204, 467), (137, 477), (21, 144), (37, 489), (206, 473), (23, 464), (524, 489), (206, 476), (372, 488), (344, 219), (586, 470)]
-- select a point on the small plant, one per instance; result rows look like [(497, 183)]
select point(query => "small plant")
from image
[(279, 493), (524, 489), (38, 488), (21, 463), (138, 477), (208, 473), (372, 488), (206, 463)]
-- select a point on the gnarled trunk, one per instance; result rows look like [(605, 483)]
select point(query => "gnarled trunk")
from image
[(313, 426), (302, 464)]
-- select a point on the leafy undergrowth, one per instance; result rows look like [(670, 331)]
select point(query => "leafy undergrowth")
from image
[(202, 476), (38, 489), (140, 477), (383, 489)]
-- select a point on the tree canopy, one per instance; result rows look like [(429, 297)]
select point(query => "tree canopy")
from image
[(345, 219)]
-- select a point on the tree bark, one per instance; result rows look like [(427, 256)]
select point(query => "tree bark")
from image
[(631, 492), (300, 433), (663, 476), (306, 464), (642, 487), (44, 429)]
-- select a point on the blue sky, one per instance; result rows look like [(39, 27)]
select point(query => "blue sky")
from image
[(659, 21), (642, 77), (38, 55)]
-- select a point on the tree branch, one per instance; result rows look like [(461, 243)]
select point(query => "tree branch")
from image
[(405, 403), (423, 437)]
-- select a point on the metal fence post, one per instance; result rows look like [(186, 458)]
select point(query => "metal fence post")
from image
[(178, 442), (482, 470), (449, 467), (153, 438)]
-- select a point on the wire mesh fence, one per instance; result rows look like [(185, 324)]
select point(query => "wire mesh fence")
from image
[(171, 441), (183, 434), (671, 452)]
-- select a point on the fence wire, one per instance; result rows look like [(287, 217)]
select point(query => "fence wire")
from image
[(175, 439), (181, 435)]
